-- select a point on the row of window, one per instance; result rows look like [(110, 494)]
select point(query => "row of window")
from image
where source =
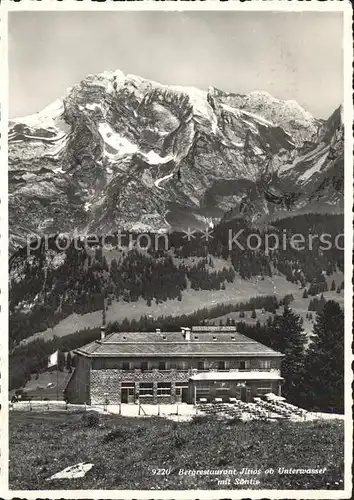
[(147, 388), (204, 390), (184, 365)]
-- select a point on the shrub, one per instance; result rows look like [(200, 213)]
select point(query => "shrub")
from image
[(91, 419), (235, 420), (115, 434), (201, 419), (178, 440)]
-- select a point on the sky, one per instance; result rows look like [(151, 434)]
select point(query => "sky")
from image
[(291, 55)]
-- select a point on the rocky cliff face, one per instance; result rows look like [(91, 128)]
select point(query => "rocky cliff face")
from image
[(118, 151)]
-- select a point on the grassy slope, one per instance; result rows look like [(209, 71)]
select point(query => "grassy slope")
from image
[(125, 450), (38, 388), (238, 291), (299, 305)]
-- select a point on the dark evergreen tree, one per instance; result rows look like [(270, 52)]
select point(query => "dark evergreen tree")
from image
[(305, 294), (323, 381), (68, 361), (61, 361), (289, 338), (333, 286)]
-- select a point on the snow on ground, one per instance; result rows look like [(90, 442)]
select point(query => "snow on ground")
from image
[(49, 117), (118, 143), (316, 168), (162, 179), (252, 126), (259, 118), (155, 159), (230, 109), (309, 156), (197, 97), (93, 106), (59, 169), (56, 150)]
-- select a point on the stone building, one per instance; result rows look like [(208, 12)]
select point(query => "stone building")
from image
[(172, 367)]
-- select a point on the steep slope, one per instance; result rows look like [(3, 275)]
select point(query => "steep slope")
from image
[(119, 151)]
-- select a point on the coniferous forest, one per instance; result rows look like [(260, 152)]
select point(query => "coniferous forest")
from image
[(49, 285)]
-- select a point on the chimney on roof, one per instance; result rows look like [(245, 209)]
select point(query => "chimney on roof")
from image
[(187, 334), (158, 330), (103, 327)]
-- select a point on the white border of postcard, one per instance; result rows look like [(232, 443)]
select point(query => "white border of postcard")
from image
[(179, 5)]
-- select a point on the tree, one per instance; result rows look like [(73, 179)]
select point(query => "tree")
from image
[(254, 314), (305, 294), (68, 361), (324, 366), (288, 337), (333, 286), (61, 361)]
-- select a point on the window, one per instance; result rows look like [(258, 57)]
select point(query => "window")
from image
[(202, 390), (144, 366), (179, 386), (127, 385), (223, 386), (146, 389), (164, 388), (223, 365), (183, 365), (264, 387), (244, 365), (126, 365), (201, 365), (172, 365), (265, 364), (162, 365)]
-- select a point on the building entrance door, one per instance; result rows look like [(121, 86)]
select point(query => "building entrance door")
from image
[(124, 395), (184, 395), (243, 393)]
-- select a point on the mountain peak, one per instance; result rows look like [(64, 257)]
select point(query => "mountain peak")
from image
[(123, 151)]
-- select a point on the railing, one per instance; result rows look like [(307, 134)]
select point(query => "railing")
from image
[(196, 370)]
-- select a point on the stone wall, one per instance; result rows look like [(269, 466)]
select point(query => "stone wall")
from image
[(107, 376), (78, 388), (107, 384)]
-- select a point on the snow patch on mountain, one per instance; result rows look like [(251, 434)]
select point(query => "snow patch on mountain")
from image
[(50, 117), (119, 144), (316, 168), (163, 179), (258, 118)]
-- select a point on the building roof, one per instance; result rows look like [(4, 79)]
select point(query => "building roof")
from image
[(242, 375), (174, 344)]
